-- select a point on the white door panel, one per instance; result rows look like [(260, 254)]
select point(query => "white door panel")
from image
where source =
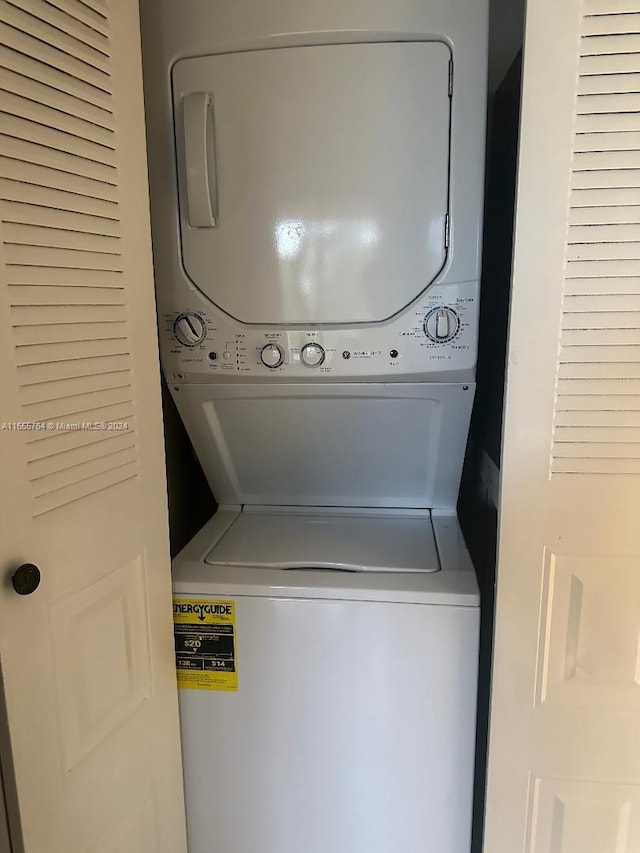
[(87, 658), (564, 762), (314, 180)]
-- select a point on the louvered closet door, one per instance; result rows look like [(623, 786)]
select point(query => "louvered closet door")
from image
[(92, 757), (564, 765)]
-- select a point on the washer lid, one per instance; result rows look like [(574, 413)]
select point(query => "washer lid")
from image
[(356, 541), (314, 180)]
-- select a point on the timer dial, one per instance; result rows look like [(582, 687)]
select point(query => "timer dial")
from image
[(441, 325), (312, 355), (271, 356), (190, 329)]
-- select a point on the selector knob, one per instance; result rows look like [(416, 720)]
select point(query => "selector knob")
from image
[(312, 355), (271, 356), (190, 329), (441, 325)]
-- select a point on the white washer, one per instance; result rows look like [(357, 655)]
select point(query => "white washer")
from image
[(353, 723)]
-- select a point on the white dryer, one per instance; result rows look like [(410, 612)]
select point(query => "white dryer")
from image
[(316, 181), (317, 187)]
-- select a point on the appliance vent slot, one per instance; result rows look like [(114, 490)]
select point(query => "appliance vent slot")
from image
[(62, 246), (597, 406)]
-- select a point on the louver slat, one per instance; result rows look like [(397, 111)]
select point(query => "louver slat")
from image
[(604, 215), (30, 235), (624, 251), (592, 354), (49, 472), (47, 116), (596, 465), (596, 142), (605, 304), (65, 276), (605, 179), (48, 13), (606, 233), (84, 487), (48, 353), (609, 83), (74, 386), (613, 24), (610, 44), (56, 139), (43, 296), (24, 43), (98, 6), (68, 332), (78, 473), (45, 445), (608, 122), (609, 161), (606, 197), (601, 370), (597, 9), (81, 404), (610, 64), (597, 435), (41, 375), (30, 23), (59, 219), (597, 411), (32, 69), (621, 419), (53, 256), (590, 321), (45, 94), (56, 199), (71, 164), (84, 13), (13, 213), (606, 102)]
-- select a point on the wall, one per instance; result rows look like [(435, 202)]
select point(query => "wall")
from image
[(191, 503), (478, 495), (505, 38)]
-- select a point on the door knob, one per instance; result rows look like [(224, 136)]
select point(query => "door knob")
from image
[(26, 579)]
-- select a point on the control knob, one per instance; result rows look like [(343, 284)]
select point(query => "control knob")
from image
[(271, 355), (441, 324), (190, 329), (312, 355)]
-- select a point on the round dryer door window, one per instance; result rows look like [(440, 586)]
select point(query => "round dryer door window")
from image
[(314, 180)]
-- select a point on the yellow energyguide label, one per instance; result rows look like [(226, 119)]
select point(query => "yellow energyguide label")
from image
[(205, 641)]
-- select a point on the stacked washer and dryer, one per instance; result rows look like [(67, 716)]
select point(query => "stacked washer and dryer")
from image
[(317, 177)]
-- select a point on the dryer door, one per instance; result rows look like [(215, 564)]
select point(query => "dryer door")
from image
[(314, 180)]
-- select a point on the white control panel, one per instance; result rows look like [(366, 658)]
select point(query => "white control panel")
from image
[(437, 335)]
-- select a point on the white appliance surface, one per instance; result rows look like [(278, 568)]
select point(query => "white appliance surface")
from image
[(360, 540), (317, 179), (304, 158), (403, 348), (366, 444), (328, 179), (353, 726)]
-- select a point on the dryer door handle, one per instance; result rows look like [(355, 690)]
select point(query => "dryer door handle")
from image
[(199, 159)]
